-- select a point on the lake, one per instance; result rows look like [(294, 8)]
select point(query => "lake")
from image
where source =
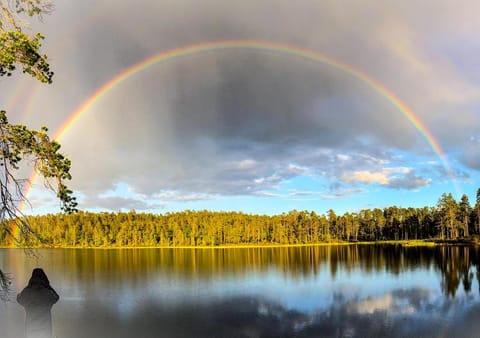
[(314, 291)]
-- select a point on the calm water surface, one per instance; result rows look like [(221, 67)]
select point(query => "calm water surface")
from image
[(337, 291)]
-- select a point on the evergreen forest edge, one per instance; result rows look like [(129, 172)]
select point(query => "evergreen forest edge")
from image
[(449, 220)]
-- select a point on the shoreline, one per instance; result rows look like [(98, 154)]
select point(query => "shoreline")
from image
[(405, 243)]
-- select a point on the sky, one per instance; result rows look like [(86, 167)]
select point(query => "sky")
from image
[(258, 130)]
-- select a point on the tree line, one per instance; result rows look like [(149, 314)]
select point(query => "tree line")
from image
[(449, 219)]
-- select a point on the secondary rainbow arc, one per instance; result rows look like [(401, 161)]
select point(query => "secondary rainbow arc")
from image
[(175, 53)]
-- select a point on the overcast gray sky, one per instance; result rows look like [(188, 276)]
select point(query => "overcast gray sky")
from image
[(256, 131)]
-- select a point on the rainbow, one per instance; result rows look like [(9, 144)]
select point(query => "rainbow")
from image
[(306, 54)]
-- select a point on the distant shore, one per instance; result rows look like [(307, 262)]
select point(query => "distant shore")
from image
[(405, 243)]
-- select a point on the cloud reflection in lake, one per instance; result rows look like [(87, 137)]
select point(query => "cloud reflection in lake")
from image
[(338, 291)]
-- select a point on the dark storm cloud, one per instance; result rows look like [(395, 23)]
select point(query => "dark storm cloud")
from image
[(239, 122)]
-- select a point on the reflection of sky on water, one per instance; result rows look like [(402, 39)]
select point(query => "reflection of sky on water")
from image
[(361, 292), (265, 300), (314, 292)]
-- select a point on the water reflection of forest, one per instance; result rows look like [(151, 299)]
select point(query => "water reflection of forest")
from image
[(457, 264)]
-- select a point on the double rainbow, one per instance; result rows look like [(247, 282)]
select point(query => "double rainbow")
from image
[(306, 54)]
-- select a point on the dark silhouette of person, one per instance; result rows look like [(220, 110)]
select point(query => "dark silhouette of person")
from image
[(38, 298)]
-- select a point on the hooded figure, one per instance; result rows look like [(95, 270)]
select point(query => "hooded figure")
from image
[(37, 299)]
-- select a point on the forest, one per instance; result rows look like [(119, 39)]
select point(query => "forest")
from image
[(449, 219)]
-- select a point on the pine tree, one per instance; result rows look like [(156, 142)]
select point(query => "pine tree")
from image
[(464, 214)]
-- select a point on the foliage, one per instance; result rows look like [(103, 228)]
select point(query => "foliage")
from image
[(18, 47), (18, 144), (465, 214), (447, 220), (477, 208)]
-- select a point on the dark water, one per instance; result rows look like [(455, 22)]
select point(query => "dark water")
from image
[(338, 291)]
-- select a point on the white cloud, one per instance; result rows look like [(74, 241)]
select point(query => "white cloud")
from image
[(247, 164), (392, 177), (368, 177), (268, 194), (177, 196), (338, 192), (116, 203)]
